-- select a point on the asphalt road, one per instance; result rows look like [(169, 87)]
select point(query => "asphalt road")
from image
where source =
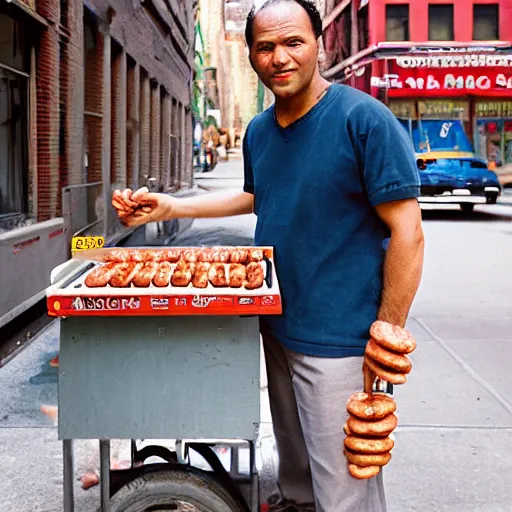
[(455, 412)]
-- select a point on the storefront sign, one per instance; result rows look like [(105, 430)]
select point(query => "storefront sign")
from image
[(417, 80), (493, 109), (455, 61), (403, 109), (443, 109)]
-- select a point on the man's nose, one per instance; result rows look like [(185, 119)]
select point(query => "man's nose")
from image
[(280, 56)]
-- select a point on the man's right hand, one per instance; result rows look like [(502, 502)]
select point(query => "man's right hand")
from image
[(140, 207)]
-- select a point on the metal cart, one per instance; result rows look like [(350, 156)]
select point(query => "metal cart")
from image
[(195, 379)]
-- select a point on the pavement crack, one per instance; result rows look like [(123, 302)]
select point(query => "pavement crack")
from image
[(467, 368)]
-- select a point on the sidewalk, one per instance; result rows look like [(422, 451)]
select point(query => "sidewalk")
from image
[(455, 414)]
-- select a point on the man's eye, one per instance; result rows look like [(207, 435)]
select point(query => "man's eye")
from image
[(264, 49), (294, 43)]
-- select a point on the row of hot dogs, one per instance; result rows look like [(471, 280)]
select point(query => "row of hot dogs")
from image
[(188, 255), (181, 274), (182, 267), (372, 420)]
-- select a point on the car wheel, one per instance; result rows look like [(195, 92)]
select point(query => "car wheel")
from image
[(491, 199), (467, 207)]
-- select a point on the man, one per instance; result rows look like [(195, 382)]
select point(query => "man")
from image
[(332, 177)]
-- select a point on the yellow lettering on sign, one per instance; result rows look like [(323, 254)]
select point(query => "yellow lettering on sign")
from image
[(82, 243)]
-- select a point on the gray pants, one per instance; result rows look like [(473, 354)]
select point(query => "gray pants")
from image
[(307, 402)]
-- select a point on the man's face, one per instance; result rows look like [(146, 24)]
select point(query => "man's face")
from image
[(284, 49)]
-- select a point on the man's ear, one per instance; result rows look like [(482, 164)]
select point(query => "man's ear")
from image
[(250, 60)]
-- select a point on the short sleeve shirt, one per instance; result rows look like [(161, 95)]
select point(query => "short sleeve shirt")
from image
[(316, 184)]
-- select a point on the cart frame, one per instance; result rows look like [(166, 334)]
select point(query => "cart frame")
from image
[(178, 377)]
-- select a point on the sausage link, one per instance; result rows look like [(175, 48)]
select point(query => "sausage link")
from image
[(378, 428), (397, 362), (384, 373), (370, 407), (365, 461), (363, 473), (392, 337), (369, 446)]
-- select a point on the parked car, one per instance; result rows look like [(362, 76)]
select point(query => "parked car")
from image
[(455, 179), (450, 171)]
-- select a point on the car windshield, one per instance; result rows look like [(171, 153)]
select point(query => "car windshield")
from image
[(431, 135)]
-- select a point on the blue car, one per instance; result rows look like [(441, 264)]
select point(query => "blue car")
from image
[(450, 171)]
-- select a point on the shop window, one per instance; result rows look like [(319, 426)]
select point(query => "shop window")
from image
[(13, 44), (363, 27), (440, 22), (13, 146), (397, 22), (486, 22)]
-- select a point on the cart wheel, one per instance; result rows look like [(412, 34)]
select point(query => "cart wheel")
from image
[(184, 490)]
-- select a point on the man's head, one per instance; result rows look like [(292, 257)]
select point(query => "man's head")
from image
[(282, 38)]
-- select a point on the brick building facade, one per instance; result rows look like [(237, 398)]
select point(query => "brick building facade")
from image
[(104, 76), (94, 95), (431, 60)]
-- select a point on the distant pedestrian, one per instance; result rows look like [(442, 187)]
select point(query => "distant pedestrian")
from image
[(331, 175)]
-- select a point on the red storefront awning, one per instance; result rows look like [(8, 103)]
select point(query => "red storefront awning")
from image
[(422, 70)]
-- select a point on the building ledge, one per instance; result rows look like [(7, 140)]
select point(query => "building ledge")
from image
[(24, 9)]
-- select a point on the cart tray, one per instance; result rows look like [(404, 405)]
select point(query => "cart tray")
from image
[(70, 296)]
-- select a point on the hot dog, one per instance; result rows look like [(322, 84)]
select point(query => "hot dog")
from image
[(220, 255), (124, 274), (119, 255), (190, 255), (217, 275), (237, 273), (200, 279), (256, 255), (101, 275), (397, 362), (182, 274), (146, 274), (392, 337), (255, 276), (239, 256), (163, 274), (172, 255), (370, 407)]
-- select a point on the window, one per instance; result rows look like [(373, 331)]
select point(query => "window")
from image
[(440, 22), (397, 22), (486, 22)]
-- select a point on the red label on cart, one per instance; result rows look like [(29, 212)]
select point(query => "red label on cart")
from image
[(105, 303)]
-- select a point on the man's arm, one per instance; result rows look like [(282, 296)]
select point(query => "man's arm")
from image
[(221, 204), (140, 207), (404, 259)]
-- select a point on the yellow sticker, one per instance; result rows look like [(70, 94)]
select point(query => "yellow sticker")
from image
[(83, 243)]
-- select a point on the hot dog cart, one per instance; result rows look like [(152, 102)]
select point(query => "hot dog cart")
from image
[(162, 362)]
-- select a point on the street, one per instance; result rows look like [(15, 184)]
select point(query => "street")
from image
[(455, 412)]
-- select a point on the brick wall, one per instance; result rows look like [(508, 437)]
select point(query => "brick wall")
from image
[(47, 109), (156, 127), (93, 104), (101, 111), (165, 158), (145, 126), (133, 124), (118, 173)]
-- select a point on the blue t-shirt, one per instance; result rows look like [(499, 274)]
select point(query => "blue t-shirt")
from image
[(315, 185)]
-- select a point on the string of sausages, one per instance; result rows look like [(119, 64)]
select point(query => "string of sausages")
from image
[(372, 420), (220, 267)]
